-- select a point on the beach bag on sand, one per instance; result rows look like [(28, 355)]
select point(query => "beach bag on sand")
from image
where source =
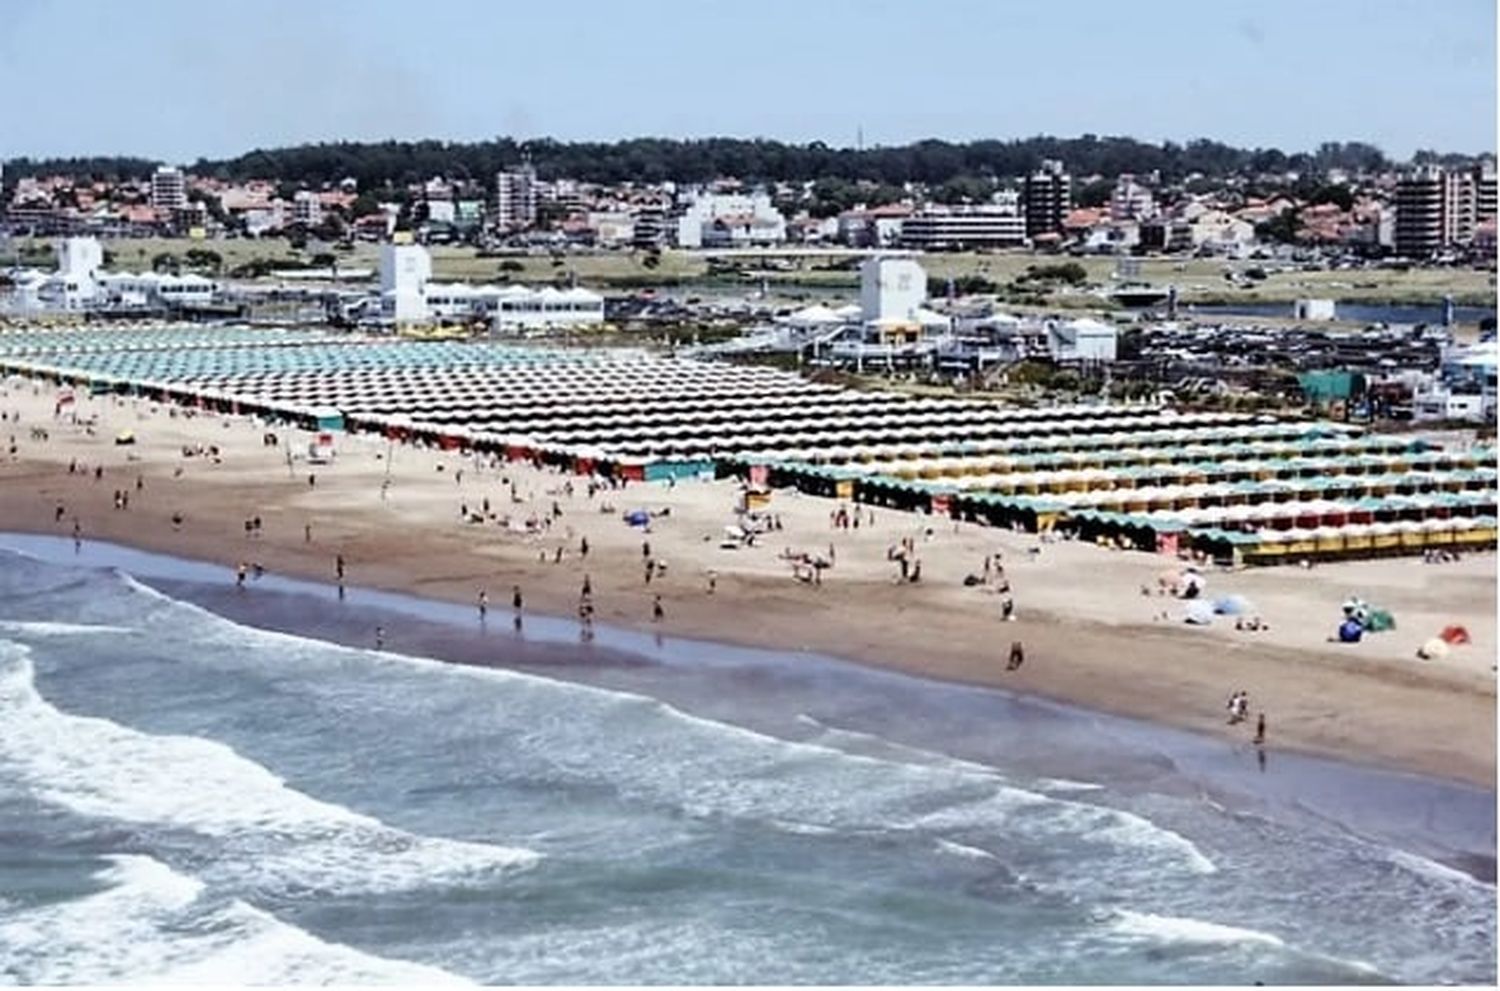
[(1379, 621)]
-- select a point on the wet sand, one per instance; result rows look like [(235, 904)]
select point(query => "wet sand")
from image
[(800, 696), (1090, 636)]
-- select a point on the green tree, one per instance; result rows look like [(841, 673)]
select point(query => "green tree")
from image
[(1094, 194), (1283, 228), (204, 259)]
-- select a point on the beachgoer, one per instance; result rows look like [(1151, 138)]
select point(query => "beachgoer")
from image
[(484, 604), (713, 581), (583, 547), (657, 613), (338, 566), (1017, 656), (515, 597), (239, 575), (1260, 730), (588, 587), (379, 638), (307, 533)]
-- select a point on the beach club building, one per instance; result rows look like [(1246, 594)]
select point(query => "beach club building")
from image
[(409, 297)]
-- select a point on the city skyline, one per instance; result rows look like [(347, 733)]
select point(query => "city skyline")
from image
[(271, 74)]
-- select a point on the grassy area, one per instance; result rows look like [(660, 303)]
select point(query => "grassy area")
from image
[(1197, 280)]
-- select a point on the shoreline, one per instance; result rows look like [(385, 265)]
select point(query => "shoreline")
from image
[(1380, 804), (1099, 651)]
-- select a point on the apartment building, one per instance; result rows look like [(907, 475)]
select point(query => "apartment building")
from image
[(1048, 196)]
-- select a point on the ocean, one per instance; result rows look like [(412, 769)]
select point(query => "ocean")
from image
[(191, 793)]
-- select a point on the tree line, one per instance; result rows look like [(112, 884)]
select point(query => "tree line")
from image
[(385, 164)]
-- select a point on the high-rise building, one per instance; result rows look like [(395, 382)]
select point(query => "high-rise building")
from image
[(1484, 190), (1048, 197), (168, 189), (1437, 209), (515, 199)]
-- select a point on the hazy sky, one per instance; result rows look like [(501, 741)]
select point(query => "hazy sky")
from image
[(178, 80)]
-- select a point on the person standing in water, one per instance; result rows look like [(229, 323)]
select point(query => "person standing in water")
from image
[(379, 638), (484, 604)]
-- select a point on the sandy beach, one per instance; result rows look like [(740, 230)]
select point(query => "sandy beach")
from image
[(1091, 637)]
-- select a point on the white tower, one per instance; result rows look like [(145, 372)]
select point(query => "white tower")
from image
[(891, 289), (404, 272)]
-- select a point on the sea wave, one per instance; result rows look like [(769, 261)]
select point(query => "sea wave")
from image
[(1176, 929), (266, 834), (51, 629), (821, 784), (153, 925)]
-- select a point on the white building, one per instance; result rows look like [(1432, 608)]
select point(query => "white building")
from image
[(405, 270), (950, 228), (76, 282), (1082, 340), (1131, 201), (891, 288), (306, 210), (409, 296), (156, 289), (168, 189), (730, 220), (523, 308), (515, 199)]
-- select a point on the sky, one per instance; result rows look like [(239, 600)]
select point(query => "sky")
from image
[(177, 80)]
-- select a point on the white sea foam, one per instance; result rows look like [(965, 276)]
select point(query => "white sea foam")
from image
[(265, 833), (1064, 784), (1175, 929), (153, 925), (1432, 870), (964, 850), (48, 629)]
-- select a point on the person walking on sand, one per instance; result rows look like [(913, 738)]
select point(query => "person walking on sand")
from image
[(307, 533), (583, 548), (1260, 730), (588, 587), (1017, 656), (338, 567), (657, 613), (713, 581), (515, 597)]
